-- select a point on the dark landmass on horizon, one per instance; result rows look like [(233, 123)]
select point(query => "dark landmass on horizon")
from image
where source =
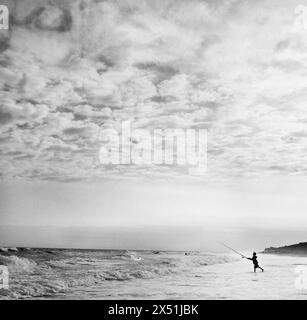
[(294, 249)]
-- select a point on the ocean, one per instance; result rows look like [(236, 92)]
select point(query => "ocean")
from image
[(122, 274)]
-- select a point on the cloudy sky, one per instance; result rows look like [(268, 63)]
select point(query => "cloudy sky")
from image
[(69, 69)]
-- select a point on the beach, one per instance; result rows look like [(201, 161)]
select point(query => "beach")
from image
[(122, 274)]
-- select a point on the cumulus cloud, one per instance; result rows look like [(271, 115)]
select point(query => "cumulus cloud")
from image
[(69, 69)]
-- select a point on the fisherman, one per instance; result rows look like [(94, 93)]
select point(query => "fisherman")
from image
[(255, 261), (254, 258)]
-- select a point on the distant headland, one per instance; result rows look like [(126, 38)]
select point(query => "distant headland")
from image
[(294, 249)]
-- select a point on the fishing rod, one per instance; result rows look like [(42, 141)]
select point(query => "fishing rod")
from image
[(223, 244)]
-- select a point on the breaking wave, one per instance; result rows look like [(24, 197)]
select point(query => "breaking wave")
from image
[(52, 273), (17, 264)]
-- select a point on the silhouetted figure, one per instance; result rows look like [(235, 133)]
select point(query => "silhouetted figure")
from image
[(255, 262)]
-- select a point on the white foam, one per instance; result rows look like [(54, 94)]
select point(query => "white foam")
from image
[(17, 264)]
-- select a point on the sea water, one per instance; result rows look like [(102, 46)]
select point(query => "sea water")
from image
[(122, 274)]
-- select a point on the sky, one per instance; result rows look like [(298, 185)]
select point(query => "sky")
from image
[(70, 70)]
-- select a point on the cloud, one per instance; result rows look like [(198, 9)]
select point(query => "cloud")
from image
[(69, 69)]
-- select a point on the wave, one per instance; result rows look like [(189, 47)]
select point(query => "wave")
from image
[(23, 290), (152, 270), (117, 275), (51, 275), (129, 255), (17, 264), (31, 285)]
